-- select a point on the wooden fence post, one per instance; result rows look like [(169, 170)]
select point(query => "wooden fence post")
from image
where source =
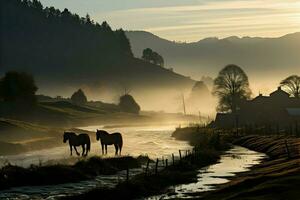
[(147, 167), (173, 158), (156, 166), (287, 149), (194, 154), (296, 128), (127, 174)]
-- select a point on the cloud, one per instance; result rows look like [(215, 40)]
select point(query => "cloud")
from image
[(191, 20)]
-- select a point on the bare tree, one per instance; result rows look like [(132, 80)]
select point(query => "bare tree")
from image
[(292, 85), (231, 86)]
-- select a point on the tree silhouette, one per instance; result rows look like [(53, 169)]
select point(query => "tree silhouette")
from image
[(147, 54), (79, 98), (56, 39), (124, 43), (18, 87), (231, 86), (153, 57), (128, 104), (292, 84), (157, 59)]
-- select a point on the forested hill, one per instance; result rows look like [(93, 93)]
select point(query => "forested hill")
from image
[(34, 36), (58, 46)]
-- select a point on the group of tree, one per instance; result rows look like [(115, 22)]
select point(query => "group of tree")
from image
[(79, 98), (47, 38), (153, 57), (126, 102), (18, 88), (232, 86)]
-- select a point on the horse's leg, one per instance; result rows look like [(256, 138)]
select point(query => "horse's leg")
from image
[(116, 147), (71, 149), (105, 149), (78, 154), (120, 149), (83, 150), (102, 145), (86, 150)]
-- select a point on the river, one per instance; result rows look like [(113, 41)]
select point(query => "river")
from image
[(237, 159), (153, 141)]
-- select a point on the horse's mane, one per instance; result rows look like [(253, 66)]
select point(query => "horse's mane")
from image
[(69, 133), (103, 132)]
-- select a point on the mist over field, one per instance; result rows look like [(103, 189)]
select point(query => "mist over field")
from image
[(266, 60), (101, 99)]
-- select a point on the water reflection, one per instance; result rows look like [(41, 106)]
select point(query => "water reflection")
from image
[(155, 141), (238, 159)]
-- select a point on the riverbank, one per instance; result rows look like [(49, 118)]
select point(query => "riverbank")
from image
[(207, 151), (82, 169), (277, 178)]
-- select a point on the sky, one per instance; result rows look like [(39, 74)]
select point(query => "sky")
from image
[(192, 20)]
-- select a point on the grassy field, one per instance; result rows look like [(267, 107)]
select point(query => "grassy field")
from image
[(65, 114), (19, 136)]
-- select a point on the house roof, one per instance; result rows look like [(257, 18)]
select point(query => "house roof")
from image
[(279, 92), (260, 97)]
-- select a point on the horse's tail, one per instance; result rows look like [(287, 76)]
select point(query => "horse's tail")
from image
[(88, 145), (121, 143)]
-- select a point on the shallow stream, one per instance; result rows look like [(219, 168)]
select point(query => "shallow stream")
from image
[(237, 159)]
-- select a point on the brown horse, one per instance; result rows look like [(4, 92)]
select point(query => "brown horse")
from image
[(82, 140), (110, 139)]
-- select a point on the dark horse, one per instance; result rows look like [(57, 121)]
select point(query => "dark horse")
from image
[(82, 140), (109, 139)]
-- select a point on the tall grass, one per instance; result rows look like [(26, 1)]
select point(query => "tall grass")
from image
[(11, 175)]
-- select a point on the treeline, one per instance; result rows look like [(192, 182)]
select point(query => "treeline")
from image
[(18, 93), (38, 38)]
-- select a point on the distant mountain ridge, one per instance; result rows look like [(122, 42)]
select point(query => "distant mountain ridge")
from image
[(206, 57)]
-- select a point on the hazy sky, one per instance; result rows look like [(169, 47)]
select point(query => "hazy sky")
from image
[(192, 20)]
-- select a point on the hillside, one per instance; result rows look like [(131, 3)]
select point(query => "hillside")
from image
[(206, 57), (65, 51)]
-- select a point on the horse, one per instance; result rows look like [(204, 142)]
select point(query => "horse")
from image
[(109, 139), (82, 140)]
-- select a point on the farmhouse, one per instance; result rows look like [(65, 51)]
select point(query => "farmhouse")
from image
[(276, 111)]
